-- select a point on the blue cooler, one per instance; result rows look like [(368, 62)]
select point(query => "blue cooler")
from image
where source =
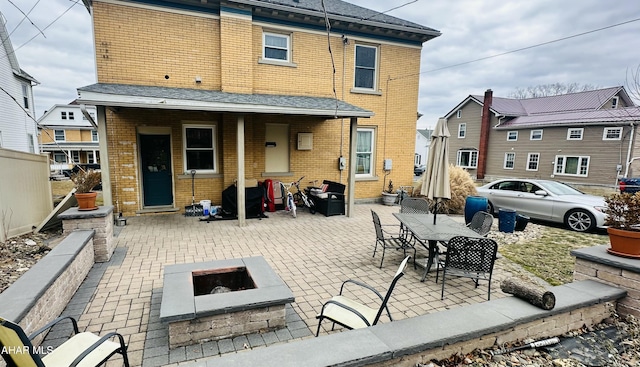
[(506, 220)]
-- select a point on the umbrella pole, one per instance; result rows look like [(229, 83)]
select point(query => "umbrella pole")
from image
[(435, 211)]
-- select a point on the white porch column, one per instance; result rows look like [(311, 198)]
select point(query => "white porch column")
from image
[(242, 215), (105, 170), (351, 180)]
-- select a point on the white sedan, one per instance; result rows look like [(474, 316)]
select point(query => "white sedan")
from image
[(546, 200)]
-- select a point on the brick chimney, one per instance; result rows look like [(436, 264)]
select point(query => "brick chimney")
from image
[(484, 134)]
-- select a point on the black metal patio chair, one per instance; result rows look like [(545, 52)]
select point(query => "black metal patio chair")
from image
[(386, 239), (481, 223)]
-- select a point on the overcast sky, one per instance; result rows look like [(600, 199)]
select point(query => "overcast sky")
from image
[(62, 60)]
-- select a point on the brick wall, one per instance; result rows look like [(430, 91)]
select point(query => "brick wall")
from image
[(225, 51), (103, 242)]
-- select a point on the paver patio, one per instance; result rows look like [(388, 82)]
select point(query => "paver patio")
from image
[(313, 254)]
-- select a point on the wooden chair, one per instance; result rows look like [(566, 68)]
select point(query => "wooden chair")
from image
[(353, 314), (82, 349), (386, 240), (469, 258)]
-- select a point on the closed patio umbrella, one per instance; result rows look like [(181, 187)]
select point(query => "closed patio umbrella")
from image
[(435, 179)]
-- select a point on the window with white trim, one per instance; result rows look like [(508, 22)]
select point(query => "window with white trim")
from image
[(459, 114), (71, 116), (467, 158), (364, 151), (572, 165), (612, 133), (614, 102), (58, 135), (32, 148), (25, 96), (509, 160), (575, 133), (536, 135), (533, 160), (91, 158), (75, 156), (276, 46), (512, 135), (59, 157), (462, 130), (63, 115), (366, 65), (199, 142), (94, 135)]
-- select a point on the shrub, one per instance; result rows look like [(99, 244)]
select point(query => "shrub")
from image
[(85, 181), (462, 185), (623, 211)]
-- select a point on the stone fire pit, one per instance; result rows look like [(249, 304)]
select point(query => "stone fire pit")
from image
[(222, 299)]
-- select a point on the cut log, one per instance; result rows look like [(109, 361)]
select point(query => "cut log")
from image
[(530, 292)]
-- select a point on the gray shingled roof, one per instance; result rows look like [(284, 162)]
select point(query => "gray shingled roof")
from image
[(102, 94), (345, 9)]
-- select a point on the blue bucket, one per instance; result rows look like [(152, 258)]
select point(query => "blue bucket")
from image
[(472, 205), (506, 220)]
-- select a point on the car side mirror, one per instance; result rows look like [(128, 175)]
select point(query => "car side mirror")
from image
[(541, 193)]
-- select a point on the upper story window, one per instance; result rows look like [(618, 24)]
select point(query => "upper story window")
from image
[(575, 133), (63, 115), (276, 46), (365, 67), (462, 130), (94, 135), (459, 114), (200, 148), (614, 102), (364, 151), (71, 116), (512, 136), (467, 158), (509, 160), (612, 133), (58, 135), (536, 135), (93, 116), (32, 147), (25, 96)]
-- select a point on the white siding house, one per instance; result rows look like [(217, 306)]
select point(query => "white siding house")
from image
[(18, 129), (423, 140)]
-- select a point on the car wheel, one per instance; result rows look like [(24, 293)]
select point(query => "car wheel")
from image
[(490, 208), (580, 220)]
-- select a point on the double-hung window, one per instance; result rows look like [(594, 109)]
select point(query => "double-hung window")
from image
[(364, 151), (25, 96), (200, 148), (572, 165), (366, 67), (467, 158), (71, 116), (58, 135), (512, 136), (509, 160), (575, 133), (462, 130), (94, 135), (533, 159), (63, 115), (276, 47), (536, 135), (612, 133)]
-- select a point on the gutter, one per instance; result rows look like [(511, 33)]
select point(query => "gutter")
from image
[(83, 109)]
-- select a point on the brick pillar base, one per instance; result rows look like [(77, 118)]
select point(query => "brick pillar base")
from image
[(100, 220)]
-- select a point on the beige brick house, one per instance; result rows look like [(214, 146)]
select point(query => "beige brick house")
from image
[(582, 138), (253, 89)]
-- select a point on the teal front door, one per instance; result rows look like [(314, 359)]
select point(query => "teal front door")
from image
[(157, 184)]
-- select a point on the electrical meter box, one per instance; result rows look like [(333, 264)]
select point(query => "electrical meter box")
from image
[(386, 165)]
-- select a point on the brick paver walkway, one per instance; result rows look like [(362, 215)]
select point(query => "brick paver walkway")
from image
[(313, 254)]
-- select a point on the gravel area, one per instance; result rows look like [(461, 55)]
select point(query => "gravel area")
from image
[(19, 254)]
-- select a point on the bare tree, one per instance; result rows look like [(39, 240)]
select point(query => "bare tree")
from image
[(633, 84), (553, 89)]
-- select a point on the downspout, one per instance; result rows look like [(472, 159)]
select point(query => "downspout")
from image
[(87, 115), (626, 170)]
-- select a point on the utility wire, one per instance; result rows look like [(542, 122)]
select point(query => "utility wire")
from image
[(26, 16), (519, 49), (386, 11), (333, 64)]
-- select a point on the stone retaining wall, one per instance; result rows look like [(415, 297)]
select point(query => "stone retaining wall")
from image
[(100, 220), (41, 294), (597, 264)]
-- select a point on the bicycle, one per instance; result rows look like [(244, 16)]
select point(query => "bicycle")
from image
[(301, 198), (289, 203)]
